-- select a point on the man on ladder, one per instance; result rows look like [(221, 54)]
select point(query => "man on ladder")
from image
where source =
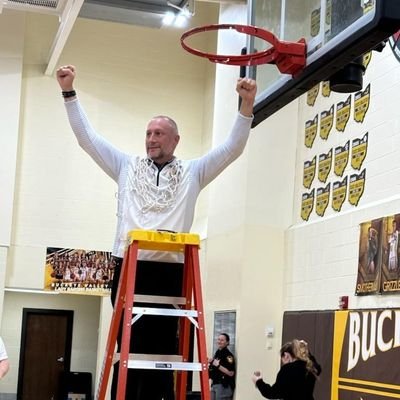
[(155, 192)]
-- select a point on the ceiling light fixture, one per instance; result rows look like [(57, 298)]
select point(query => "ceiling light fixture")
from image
[(187, 10), (169, 18), (180, 19)]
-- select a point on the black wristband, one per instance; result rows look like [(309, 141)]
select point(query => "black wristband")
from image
[(70, 93)]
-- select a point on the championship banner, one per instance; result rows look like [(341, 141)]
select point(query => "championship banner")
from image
[(356, 187), (326, 123), (78, 271), (358, 351), (369, 257), (309, 172), (326, 89), (312, 95), (341, 158), (367, 56), (324, 165), (361, 104), (311, 131), (359, 148), (307, 204), (343, 114), (339, 190), (323, 195)]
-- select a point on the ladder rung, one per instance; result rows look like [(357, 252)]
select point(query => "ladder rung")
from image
[(164, 311), (159, 361), (164, 365), (143, 298), (150, 357)]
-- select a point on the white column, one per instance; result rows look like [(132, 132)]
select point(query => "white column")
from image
[(12, 28)]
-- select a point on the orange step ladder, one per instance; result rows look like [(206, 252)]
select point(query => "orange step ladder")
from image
[(189, 307)]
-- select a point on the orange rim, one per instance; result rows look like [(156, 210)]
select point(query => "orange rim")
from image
[(289, 57)]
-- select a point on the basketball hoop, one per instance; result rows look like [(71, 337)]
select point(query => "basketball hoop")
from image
[(289, 57)]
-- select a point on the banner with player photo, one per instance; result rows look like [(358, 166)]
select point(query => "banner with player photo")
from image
[(369, 257), (390, 271), (379, 254), (78, 271)]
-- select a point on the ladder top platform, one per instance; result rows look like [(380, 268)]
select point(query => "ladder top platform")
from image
[(163, 240)]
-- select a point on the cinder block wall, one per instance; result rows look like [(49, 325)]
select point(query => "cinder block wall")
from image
[(322, 253)]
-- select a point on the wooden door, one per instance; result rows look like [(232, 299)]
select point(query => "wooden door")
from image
[(46, 341)]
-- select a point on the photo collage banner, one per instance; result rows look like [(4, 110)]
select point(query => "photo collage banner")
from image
[(79, 271)]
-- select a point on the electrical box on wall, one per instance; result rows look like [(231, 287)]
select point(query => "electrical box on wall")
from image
[(269, 331)]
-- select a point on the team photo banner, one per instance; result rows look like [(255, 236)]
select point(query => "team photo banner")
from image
[(78, 271)]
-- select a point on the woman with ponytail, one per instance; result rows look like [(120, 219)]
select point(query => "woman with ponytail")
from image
[(297, 376)]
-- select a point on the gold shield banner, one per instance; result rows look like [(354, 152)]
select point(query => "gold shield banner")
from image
[(311, 131), (309, 172), (339, 191), (326, 89), (343, 114), (341, 158), (326, 123), (323, 195), (356, 187), (307, 205), (359, 151), (324, 166), (361, 104), (367, 58), (312, 95)]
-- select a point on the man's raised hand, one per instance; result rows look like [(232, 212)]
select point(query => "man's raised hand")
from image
[(65, 77)]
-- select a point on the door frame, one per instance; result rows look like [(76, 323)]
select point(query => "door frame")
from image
[(69, 314)]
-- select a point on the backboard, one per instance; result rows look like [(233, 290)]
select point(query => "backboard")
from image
[(336, 33)]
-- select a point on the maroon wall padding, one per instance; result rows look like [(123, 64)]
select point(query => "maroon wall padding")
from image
[(367, 353), (316, 328)]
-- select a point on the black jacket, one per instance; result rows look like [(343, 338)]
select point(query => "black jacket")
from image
[(293, 382)]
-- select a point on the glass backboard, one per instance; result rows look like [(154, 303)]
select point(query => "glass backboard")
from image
[(336, 33)]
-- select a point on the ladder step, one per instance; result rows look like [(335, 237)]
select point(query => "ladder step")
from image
[(159, 361), (150, 357), (164, 311), (164, 365), (163, 240), (143, 298)]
